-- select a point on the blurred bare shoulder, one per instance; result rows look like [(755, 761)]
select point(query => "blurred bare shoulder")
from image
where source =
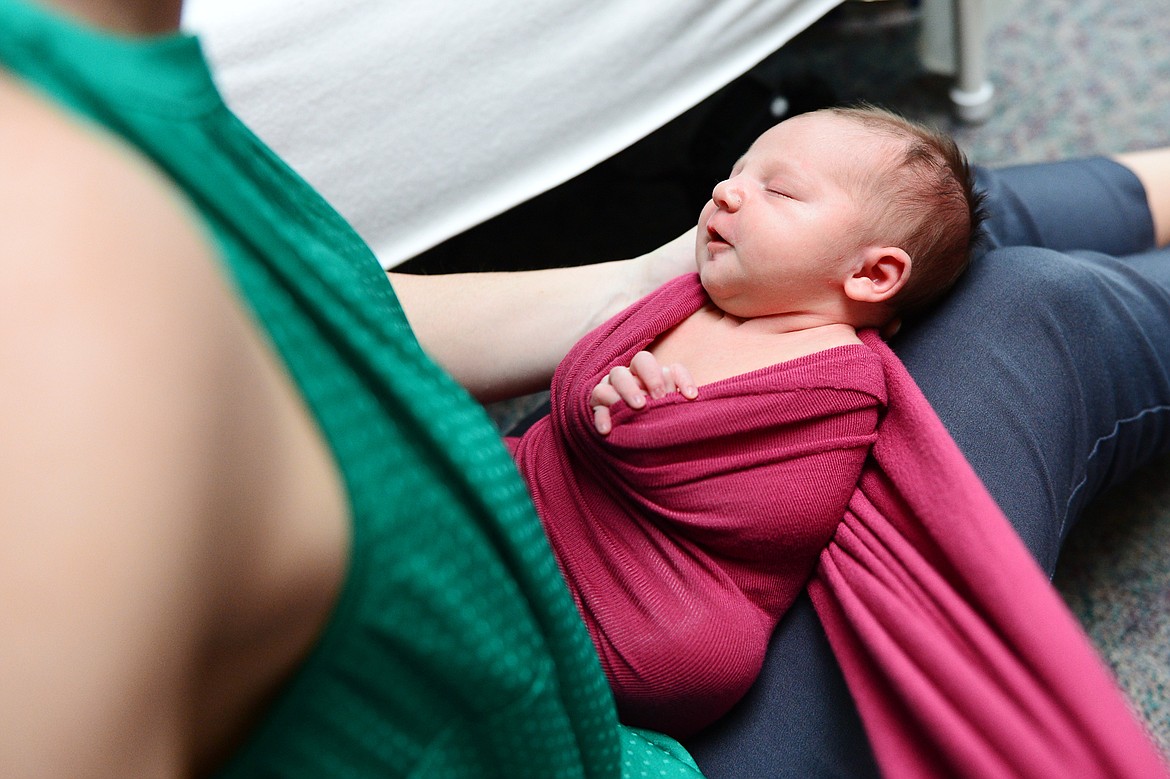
[(84, 218), (162, 486)]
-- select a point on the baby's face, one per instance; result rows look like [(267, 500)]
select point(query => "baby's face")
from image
[(778, 234)]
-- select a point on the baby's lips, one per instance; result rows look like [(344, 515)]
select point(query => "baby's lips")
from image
[(715, 234)]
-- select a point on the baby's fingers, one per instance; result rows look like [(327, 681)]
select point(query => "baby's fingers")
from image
[(602, 397), (656, 380), (601, 420), (680, 379), (627, 386)]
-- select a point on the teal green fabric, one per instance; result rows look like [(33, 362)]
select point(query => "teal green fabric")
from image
[(454, 650)]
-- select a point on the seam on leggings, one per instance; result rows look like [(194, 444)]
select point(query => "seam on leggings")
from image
[(1096, 449)]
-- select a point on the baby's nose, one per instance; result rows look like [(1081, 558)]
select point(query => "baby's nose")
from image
[(727, 195)]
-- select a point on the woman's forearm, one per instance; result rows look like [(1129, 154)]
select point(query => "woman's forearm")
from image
[(502, 334)]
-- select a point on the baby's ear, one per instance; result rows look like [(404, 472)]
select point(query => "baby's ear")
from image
[(878, 274)]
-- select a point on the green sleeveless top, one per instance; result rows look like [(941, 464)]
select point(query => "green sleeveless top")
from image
[(454, 649)]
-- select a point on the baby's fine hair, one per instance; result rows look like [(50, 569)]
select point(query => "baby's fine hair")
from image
[(927, 198)]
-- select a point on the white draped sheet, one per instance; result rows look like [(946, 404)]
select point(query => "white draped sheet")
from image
[(418, 119)]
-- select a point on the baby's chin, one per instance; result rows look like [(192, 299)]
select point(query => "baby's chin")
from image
[(710, 286)]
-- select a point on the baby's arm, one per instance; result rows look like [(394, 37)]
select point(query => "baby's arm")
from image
[(644, 377)]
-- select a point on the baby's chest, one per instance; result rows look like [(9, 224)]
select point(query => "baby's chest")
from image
[(711, 353)]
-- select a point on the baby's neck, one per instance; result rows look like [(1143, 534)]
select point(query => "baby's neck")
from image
[(714, 345), (782, 324)]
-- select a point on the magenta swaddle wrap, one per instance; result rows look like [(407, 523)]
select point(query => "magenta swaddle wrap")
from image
[(963, 659), (686, 533)]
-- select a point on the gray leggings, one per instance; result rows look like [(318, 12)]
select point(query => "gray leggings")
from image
[(1050, 366)]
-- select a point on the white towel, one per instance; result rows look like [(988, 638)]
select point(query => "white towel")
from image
[(419, 119)]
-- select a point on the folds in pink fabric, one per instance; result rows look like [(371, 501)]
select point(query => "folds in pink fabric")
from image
[(962, 658), (686, 533)]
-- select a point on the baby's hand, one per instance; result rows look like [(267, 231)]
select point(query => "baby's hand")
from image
[(645, 377)]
